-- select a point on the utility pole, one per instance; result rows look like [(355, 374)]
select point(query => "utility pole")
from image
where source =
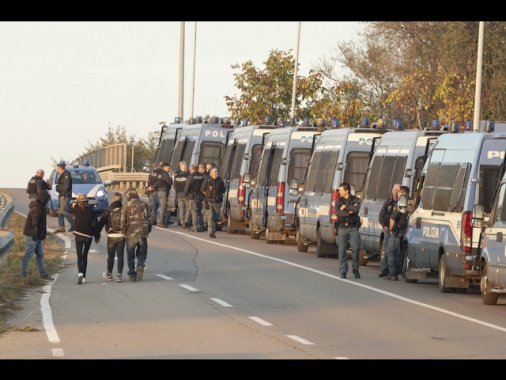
[(193, 76), (181, 72), (477, 93), (294, 89)]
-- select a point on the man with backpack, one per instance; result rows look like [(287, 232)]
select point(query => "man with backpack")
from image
[(36, 184), (115, 237)]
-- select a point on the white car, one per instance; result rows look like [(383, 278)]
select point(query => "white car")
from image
[(85, 180)]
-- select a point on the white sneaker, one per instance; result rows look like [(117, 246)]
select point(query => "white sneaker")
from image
[(119, 278), (107, 276), (84, 280), (80, 279)]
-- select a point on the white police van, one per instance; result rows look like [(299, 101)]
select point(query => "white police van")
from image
[(242, 155), (340, 155), (195, 142), (399, 158), (462, 170), (285, 156), (489, 258)]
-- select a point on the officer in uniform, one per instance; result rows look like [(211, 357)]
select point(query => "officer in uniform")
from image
[(164, 184), (192, 191), (153, 192), (213, 187)]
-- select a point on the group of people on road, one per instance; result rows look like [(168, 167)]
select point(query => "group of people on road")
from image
[(393, 220), (198, 192), (126, 225)]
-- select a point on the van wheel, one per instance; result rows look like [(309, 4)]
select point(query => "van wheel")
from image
[(255, 235), (487, 298), (301, 247), (230, 230), (443, 274), (268, 237), (320, 245), (363, 260), (405, 271)]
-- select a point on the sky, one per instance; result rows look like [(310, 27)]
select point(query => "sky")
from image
[(63, 84)]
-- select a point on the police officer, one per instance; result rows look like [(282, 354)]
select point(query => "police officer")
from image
[(348, 224), (153, 192), (64, 189), (37, 184), (213, 188), (192, 191), (164, 184), (183, 202), (384, 219)]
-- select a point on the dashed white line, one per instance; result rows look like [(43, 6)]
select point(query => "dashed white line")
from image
[(221, 302), (300, 340), (261, 321), (165, 277), (188, 287)]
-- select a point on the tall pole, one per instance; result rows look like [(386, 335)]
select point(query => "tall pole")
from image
[(181, 72), (294, 89), (193, 74), (477, 93)]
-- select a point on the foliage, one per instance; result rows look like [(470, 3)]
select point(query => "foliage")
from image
[(268, 92)]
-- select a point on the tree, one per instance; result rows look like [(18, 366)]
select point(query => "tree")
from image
[(268, 92)]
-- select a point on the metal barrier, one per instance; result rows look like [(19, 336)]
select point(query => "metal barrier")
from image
[(6, 210), (121, 181)]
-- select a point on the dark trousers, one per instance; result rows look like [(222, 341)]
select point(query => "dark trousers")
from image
[(83, 245), (115, 247), (137, 248)]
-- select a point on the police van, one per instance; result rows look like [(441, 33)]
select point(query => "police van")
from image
[(242, 155), (340, 155), (193, 142), (399, 158), (489, 258), (285, 156), (462, 170)]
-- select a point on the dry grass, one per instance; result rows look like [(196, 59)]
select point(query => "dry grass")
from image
[(13, 287)]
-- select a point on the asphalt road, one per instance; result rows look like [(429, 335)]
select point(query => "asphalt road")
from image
[(237, 298)]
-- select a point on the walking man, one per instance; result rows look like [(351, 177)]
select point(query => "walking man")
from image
[(153, 191), (164, 184), (192, 191), (64, 189), (384, 219), (136, 228), (213, 188)]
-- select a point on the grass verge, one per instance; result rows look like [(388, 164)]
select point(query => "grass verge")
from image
[(13, 287)]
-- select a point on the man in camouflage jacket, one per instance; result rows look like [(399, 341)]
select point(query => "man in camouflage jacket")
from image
[(136, 228)]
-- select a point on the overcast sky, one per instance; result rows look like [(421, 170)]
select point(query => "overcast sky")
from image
[(62, 84)]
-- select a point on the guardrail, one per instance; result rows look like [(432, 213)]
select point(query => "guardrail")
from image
[(121, 181), (6, 210)]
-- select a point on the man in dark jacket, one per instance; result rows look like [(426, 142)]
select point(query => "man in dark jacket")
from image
[(213, 187), (153, 191), (35, 233), (36, 184), (384, 219), (183, 202), (192, 191), (136, 228), (164, 184), (64, 189), (348, 224), (115, 238)]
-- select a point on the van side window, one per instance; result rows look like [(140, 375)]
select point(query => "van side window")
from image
[(500, 212), (209, 152), (256, 153), (274, 166), (230, 155), (299, 162), (356, 167), (235, 170), (177, 155), (188, 152), (328, 164), (489, 179), (444, 188), (385, 171), (313, 171)]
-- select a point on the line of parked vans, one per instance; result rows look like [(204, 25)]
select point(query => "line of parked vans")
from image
[(282, 184)]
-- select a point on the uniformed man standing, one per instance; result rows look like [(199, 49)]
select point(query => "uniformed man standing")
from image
[(64, 189)]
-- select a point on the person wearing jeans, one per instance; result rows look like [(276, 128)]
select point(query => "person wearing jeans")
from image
[(35, 233)]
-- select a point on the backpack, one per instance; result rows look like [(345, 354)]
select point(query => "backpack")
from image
[(31, 188), (115, 220)]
